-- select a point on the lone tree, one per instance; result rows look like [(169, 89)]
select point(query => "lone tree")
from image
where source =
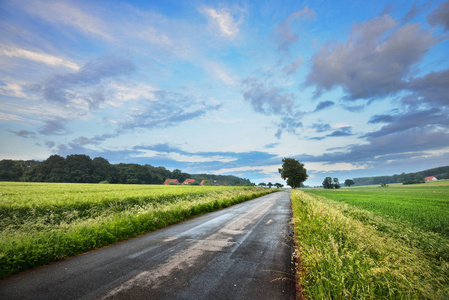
[(293, 171), (327, 183), (336, 183), (349, 182)]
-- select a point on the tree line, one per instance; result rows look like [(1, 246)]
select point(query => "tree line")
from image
[(404, 178), (80, 168), (269, 184), (440, 173)]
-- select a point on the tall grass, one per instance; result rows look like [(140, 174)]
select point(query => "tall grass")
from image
[(351, 253), (42, 222)]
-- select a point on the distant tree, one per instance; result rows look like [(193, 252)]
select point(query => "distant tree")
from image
[(278, 185), (102, 170), (178, 174), (134, 174), (401, 178), (294, 172), (53, 169), (11, 170), (78, 168), (327, 183), (262, 184), (418, 177), (195, 183), (349, 182), (336, 183), (270, 185)]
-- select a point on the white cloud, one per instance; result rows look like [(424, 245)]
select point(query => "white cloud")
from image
[(182, 157), (68, 13), (326, 167), (40, 57), (125, 93), (11, 117), (217, 70), (154, 36), (269, 170), (12, 89), (224, 21)]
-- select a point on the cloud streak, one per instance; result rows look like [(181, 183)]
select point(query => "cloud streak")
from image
[(222, 19), (323, 105), (284, 35), (63, 89), (56, 126), (167, 109), (68, 14), (40, 57)]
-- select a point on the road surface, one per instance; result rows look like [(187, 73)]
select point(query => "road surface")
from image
[(241, 252)]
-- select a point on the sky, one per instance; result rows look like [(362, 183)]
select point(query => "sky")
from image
[(349, 88)]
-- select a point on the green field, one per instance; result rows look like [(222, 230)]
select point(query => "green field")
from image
[(373, 243), (44, 222)]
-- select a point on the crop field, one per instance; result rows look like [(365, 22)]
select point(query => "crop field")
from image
[(372, 242), (45, 222)]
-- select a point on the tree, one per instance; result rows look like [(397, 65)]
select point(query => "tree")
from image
[(270, 185), (102, 170), (336, 183), (262, 184), (11, 170), (294, 172), (78, 168), (278, 185), (327, 183), (349, 182), (178, 174)]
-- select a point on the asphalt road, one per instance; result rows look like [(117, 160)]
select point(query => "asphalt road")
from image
[(241, 252)]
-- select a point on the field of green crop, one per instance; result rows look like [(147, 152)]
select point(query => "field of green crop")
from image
[(44, 222), (373, 242)]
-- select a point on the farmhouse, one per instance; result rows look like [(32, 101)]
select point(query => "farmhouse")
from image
[(188, 181), (172, 181), (430, 178)]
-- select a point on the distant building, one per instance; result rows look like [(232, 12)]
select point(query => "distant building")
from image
[(430, 178), (188, 181), (175, 181)]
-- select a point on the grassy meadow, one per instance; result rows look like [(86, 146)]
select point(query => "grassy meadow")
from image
[(45, 222), (372, 242)]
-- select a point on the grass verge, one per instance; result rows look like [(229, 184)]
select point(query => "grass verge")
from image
[(351, 253)]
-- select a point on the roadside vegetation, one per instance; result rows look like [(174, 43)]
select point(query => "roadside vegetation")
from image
[(372, 242), (45, 222)]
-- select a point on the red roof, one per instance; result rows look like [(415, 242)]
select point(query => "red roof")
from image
[(188, 181), (175, 181), (429, 178)]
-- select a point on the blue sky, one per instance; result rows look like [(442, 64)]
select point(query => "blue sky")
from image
[(349, 88)]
